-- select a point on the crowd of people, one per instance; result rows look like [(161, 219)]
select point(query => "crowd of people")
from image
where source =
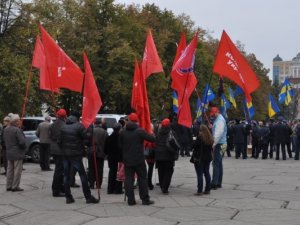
[(132, 153)]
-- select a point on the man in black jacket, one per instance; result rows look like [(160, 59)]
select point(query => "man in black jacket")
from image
[(58, 189), (72, 137), (132, 143)]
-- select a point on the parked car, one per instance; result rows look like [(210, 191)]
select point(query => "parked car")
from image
[(29, 127), (110, 120)]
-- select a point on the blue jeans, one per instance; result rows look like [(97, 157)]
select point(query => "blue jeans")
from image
[(203, 169), (76, 163), (217, 166)]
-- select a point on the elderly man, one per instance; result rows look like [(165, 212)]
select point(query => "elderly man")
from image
[(15, 153), (43, 134), (132, 143), (219, 132)]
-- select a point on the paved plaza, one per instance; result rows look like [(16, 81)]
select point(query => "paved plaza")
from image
[(255, 192)]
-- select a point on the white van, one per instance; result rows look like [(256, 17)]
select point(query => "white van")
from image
[(110, 120)]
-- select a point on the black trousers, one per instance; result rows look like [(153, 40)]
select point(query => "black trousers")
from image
[(92, 170), (141, 172), (150, 173), (165, 172), (44, 156), (282, 145), (58, 176), (113, 186)]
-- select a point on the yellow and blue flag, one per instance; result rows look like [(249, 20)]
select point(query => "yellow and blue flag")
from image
[(231, 98), (208, 95), (286, 92), (249, 109), (273, 108), (199, 108), (238, 91), (225, 104), (175, 102)]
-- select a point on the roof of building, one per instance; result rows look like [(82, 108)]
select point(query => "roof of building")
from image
[(297, 58), (277, 58)]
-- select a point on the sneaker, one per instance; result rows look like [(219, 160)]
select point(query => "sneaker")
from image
[(8, 189), (70, 200), (59, 194), (148, 202), (92, 199)]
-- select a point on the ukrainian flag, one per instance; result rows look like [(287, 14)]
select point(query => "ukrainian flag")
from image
[(199, 108), (225, 104), (249, 108), (175, 102), (208, 95), (231, 98), (272, 106), (286, 92), (238, 91)]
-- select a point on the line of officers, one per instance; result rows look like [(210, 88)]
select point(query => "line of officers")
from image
[(278, 136)]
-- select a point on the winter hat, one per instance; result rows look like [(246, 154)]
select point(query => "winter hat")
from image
[(165, 122), (61, 113), (213, 111), (133, 117), (14, 117)]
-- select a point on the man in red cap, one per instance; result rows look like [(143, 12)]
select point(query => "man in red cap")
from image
[(58, 176), (132, 143), (219, 132)]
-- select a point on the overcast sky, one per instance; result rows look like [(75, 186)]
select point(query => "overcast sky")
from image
[(265, 27)]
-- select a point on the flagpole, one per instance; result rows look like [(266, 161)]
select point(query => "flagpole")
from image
[(26, 95)]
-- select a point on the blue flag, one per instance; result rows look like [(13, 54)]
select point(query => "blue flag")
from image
[(225, 104), (238, 91), (231, 98), (208, 95), (199, 108), (286, 92), (249, 109)]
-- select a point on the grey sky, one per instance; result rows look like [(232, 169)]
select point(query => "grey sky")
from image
[(265, 27)]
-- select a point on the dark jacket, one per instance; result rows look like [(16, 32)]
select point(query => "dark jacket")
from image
[(239, 133), (15, 143), (54, 133), (202, 152), (72, 137), (263, 135), (280, 133), (112, 148), (132, 143), (162, 152), (100, 135)]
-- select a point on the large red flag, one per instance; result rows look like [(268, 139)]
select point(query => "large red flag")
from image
[(184, 80), (63, 72), (139, 100), (39, 61), (232, 64), (180, 48), (91, 98), (151, 62)]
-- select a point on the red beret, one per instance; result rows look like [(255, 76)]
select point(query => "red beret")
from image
[(133, 117), (165, 122), (213, 111), (61, 113)]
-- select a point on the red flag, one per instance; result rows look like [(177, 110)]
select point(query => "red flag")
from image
[(184, 80), (232, 64), (139, 100), (180, 48), (63, 72), (91, 98), (39, 61), (151, 62)]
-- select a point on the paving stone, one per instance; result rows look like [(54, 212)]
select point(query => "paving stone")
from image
[(270, 216), (294, 205), (266, 187), (194, 213), (129, 220), (247, 203), (49, 218), (9, 210), (281, 195), (218, 222)]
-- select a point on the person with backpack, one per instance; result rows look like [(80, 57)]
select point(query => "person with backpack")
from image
[(165, 156), (201, 158)]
